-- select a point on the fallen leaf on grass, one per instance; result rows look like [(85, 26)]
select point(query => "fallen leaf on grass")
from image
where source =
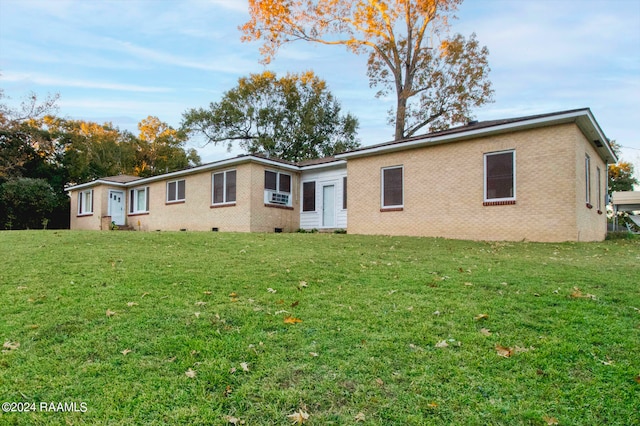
[(234, 420), (233, 294), (228, 391), (299, 417), (126, 351), (110, 313), (232, 370), (608, 361), (442, 344), (132, 304), (200, 303), (468, 284), (296, 303), (550, 420), (432, 405), (190, 373), (270, 290), (21, 287), (144, 294), (481, 317), (360, 417), (379, 382), (292, 320), (245, 366), (518, 349), (638, 379), (503, 351), (485, 331), (282, 311), (313, 354), (207, 292), (577, 294), (10, 346), (302, 284), (197, 314)]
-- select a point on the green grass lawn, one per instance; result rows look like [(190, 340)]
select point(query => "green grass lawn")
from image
[(393, 331)]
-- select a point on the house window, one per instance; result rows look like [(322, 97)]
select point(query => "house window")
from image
[(277, 188), (344, 193), (139, 200), (224, 187), (392, 187), (599, 182), (175, 191), (309, 197), (85, 202), (500, 176), (587, 177)]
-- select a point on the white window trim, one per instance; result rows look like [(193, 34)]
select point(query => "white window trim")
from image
[(278, 173), (484, 178), (133, 209), (398, 206), (177, 200), (82, 195), (224, 188), (599, 191), (277, 190), (587, 178)]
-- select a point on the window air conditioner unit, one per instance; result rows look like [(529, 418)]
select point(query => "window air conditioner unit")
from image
[(277, 198)]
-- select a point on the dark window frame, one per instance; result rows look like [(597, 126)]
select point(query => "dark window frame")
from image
[(309, 196), (344, 193)]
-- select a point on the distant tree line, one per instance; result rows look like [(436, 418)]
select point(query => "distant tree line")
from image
[(292, 118), (41, 154)]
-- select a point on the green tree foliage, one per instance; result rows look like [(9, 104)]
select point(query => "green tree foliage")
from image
[(293, 118), (621, 174), (161, 148), (27, 150), (37, 145), (437, 79), (92, 150), (27, 203), (621, 177)]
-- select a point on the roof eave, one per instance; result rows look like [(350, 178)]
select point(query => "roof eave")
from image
[(198, 169), (583, 118), (336, 163), (95, 183)]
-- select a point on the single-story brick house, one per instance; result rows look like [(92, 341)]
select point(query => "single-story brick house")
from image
[(538, 178)]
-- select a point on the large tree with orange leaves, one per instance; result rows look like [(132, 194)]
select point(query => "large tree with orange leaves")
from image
[(437, 79)]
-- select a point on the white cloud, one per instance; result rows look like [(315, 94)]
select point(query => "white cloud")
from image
[(48, 80)]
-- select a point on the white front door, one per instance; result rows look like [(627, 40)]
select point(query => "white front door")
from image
[(116, 207), (328, 206)]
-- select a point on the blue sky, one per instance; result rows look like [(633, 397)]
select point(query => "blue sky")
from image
[(120, 61)]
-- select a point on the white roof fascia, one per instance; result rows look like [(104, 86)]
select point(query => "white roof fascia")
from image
[(601, 136), (339, 163), (501, 128), (203, 168), (96, 182)]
